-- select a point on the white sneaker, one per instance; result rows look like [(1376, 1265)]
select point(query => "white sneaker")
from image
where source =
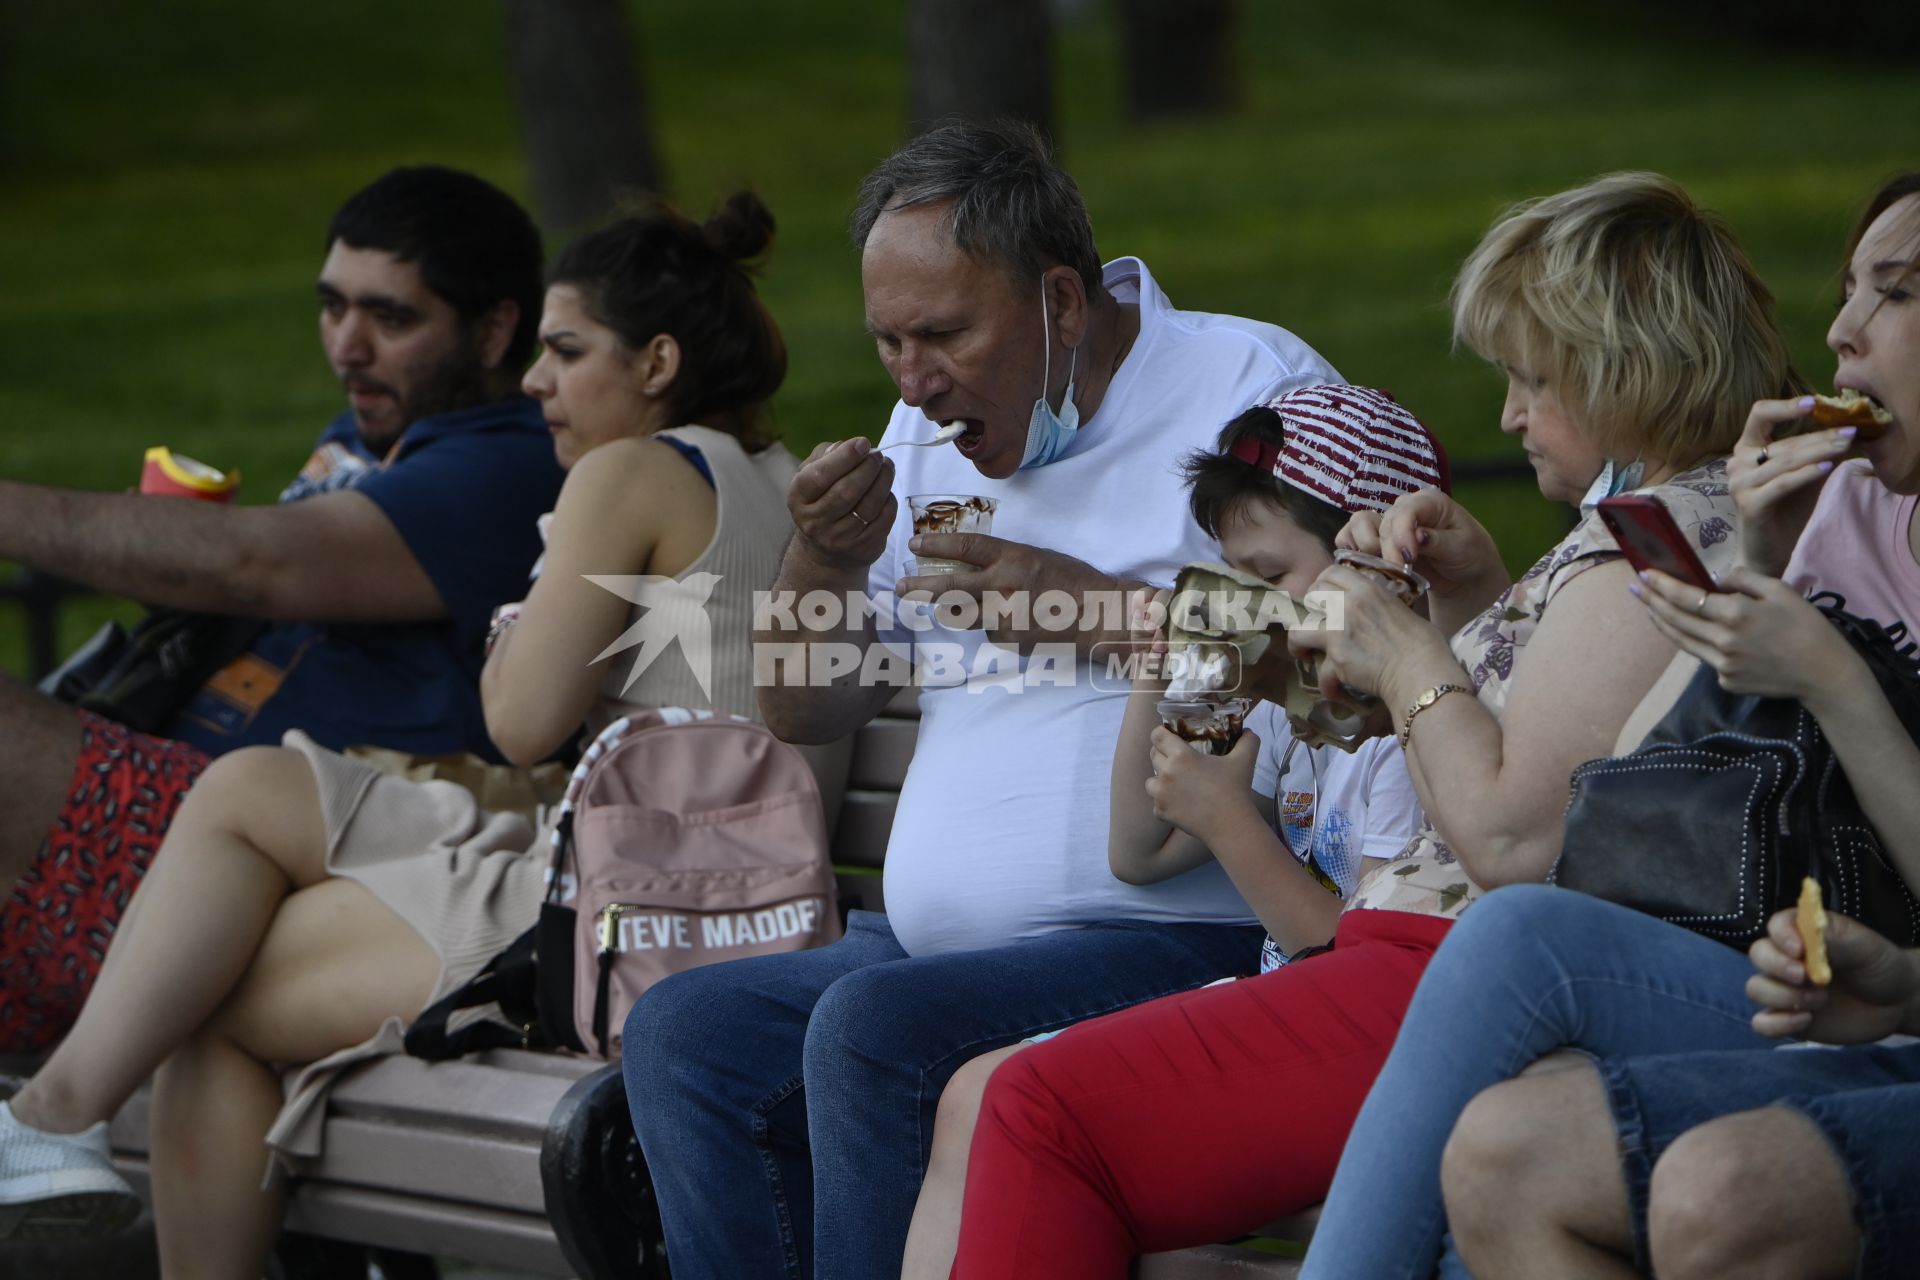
[(60, 1184)]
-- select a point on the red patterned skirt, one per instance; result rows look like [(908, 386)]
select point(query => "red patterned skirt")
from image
[(55, 927)]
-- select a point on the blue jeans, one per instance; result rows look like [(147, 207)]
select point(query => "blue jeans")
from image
[(1866, 1101), (785, 1104), (1528, 970)]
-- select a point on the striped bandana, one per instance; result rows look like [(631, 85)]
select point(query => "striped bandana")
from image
[(1352, 446)]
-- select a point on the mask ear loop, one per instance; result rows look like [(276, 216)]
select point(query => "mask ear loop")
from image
[(1046, 344), (1313, 813), (1046, 355)]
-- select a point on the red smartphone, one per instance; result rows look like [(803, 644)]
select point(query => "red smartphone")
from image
[(1645, 530)]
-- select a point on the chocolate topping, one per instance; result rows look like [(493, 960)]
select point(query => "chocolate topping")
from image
[(949, 515)]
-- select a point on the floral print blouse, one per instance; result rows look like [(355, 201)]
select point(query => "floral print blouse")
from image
[(1425, 878)]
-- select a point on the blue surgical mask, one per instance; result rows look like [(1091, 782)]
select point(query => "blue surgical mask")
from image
[(1049, 433), (1614, 478)]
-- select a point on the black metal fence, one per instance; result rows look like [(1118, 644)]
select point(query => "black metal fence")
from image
[(40, 597)]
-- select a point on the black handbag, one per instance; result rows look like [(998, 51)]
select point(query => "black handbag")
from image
[(1712, 822), (142, 677)]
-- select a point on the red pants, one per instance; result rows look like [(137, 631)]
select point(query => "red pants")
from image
[(55, 927), (1190, 1119)]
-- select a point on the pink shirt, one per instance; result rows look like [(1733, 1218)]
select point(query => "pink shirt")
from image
[(1855, 543)]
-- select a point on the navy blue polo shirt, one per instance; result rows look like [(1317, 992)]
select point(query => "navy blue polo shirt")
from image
[(464, 490)]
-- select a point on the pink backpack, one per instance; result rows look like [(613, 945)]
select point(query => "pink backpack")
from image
[(685, 838)]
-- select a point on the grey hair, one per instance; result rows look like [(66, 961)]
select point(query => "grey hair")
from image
[(1009, 201)]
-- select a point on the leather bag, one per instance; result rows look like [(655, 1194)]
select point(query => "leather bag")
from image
[(1711, 823), (143, 677)]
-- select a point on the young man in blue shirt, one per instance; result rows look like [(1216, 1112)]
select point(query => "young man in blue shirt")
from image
[(373, 578)]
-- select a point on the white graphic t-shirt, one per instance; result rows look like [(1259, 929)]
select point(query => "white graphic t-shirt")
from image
[(1333, 808)]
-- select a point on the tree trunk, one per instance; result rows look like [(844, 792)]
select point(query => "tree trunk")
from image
[(1179, 57), (583, 117), (980, 59)]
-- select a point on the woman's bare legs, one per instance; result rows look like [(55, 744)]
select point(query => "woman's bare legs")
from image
[(248, 834), (214, 963), (336, 964), (934, 1234)]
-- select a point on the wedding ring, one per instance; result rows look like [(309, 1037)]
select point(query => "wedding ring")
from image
[(1760, 458), (1701, 608), (862, 519)]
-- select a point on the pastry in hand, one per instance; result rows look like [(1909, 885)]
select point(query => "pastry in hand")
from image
[(1811, 920), (1844, 408)]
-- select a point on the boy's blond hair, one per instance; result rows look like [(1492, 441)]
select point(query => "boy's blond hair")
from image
[(1637, 306)]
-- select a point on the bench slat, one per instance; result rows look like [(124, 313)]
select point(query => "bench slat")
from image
[(513, 1241), (860, 837), (475, 1097), (386, 1220), (880, 755), (538, 1062), (1215, 1262), (408, 1160)]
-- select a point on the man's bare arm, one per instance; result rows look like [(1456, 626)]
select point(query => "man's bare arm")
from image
[(331, 558), (797, 711), (842, 509)]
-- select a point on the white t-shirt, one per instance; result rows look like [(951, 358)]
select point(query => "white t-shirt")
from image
[(1332, 807), (1001, 831)]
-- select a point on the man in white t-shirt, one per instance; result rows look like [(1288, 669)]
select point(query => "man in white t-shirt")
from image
[(785, 1104)]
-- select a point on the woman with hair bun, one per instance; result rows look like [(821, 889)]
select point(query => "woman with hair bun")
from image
[(305, 906)]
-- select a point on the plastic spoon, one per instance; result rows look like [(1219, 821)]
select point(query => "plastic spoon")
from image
[(949, 431)]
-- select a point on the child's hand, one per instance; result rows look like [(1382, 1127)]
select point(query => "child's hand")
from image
[(1875, 983), (1198, 793)]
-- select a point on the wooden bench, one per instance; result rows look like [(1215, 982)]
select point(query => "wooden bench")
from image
[(501, 1158)]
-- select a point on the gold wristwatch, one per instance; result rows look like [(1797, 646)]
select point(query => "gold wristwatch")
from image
[(1424, 701)]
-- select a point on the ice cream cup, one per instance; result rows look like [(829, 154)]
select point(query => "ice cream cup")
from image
[(1404, 583), (1211, 728), (949, 513)]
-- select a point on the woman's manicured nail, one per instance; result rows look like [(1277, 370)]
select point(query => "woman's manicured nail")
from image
[(1806, 404)]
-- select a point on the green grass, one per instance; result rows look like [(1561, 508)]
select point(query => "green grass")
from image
[(167, 170)]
